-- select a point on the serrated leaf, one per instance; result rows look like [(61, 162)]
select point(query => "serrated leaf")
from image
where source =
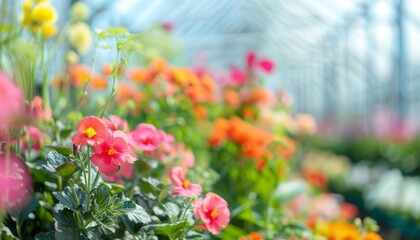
[(172, 209), (67, 169), (115, 188), (45, 236), (66, 221), (55, 160), (168, 229), (135, 219), (101, 195), (66, 198), (61, 150)]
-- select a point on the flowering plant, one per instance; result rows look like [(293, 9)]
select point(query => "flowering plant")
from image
[(141, 151)]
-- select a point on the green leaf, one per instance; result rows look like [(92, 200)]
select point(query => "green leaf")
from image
[(135, 219), (66, 198), (192, 235), (67, 169), (45, 236), (56, 160), (101, 196), (61, 150), (172, 209), (168, 229), (284, 192), (115, 188), (66, 221), (21, 215)]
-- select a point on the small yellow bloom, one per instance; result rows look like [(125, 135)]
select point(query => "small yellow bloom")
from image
[(79, 11), (27, 5), (49, 30), (43, 13), (72, 58), (80, 37)]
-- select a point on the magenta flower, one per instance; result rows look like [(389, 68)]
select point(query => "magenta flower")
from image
[(11, 99), (146, 137), (111, 153), (183, 186), (213, 211), (237, 76), (15, 183)]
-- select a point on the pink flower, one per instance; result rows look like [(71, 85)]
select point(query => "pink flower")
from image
[(237, 76), (15, 183), (111, 153), (11, 98), (37, 110), (213, 211), (125, 172), (146, 137), (116, 123), (183, 186), (266, 65), (33, 136), (251, 59), (91, 130)]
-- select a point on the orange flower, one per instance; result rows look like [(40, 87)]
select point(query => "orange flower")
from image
[(79, 75), (140, 75), (232, 98), (98, 82), (261, 97), (253, 236), (158, 65), (107, 69), (201, 111), (126, 92), (372, 236)]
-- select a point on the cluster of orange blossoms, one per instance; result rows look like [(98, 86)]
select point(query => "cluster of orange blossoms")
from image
[(255, 142), (167, 80), (342, 230)]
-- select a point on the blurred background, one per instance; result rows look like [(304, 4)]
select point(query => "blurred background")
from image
[(352, 64), (341, 60)]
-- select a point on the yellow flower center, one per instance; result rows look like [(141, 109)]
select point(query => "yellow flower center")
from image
[(90, 132), (111, 151), (186, 182), (214, 213)]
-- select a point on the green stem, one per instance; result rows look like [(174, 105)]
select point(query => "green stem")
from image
[(19, 231), (60, 183), (84, 93), (114, 78), (45, 93), (89, 165), (76, 198), (96, 178)]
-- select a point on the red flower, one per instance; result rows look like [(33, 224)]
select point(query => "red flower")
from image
[(183, 186), (91, 130), (111, 153), (213, 211)]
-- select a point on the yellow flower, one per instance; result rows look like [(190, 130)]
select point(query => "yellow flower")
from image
[(49, 30), (80, 37), (79, 11), (72, 58), (43, 12), (27, 5), (43, 1)]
